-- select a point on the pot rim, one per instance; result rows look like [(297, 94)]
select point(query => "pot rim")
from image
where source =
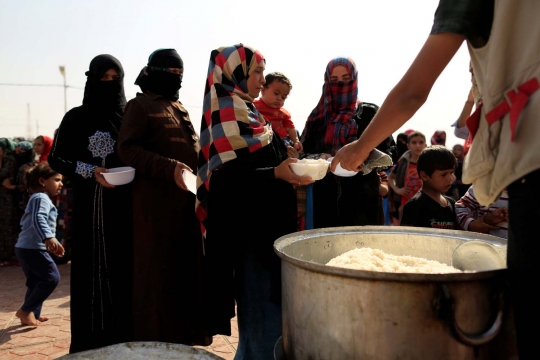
[(281, 243)]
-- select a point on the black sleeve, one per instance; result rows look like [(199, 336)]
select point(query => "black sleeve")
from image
[(410, 215), (63, 156), (456, 16)]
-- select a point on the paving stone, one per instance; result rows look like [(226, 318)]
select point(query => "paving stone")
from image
[(54, 352), (52, 339), (62, 344), (29, 350)]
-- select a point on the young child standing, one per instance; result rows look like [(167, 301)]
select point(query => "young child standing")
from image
[(430, 207), (36, 239), (274, 93), (404, 179)]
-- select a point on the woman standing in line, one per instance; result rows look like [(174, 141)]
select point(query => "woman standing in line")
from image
[(158, 140), (338, 119), (245, 201), (101, 250)]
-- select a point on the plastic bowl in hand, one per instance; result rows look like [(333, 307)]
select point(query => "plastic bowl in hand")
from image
[(315, 169), (120, 175), (341, 171)]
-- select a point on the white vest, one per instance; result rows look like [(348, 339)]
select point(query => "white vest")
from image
[(511, 57)]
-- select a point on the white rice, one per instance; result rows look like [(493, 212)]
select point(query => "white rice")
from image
[(377, 260), (312, 161)]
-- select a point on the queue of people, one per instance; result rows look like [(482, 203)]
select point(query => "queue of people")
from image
[(145, 255)]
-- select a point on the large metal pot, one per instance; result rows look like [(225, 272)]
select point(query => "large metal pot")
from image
[(336, 313), (143, 350)]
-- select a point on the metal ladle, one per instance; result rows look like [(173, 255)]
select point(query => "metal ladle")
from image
[(476, 255)]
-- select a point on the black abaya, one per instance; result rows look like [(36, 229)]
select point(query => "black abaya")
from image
[(101, 253)]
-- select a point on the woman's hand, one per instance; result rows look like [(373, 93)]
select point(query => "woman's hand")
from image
[(178, 177), (100, 179), (284, 172), (292, 153), (7, 184), (298, 146)]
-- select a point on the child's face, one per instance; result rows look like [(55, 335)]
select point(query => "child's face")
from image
[(457, 151), (440, 180), (255, 82), (52, 185), (416, 145), (275, 94)]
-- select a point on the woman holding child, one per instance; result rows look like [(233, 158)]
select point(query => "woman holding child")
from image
[(338, 119), (243, 178), (101, 269)]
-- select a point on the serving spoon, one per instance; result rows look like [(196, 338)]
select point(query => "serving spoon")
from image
[(477, 255)]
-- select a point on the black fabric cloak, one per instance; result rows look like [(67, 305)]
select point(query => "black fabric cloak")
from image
[(101, 252)]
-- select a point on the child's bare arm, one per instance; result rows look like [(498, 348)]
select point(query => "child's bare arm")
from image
[(404, 100), (392, 182), (294, 137)]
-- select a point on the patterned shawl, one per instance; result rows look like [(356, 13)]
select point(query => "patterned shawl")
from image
[(337, 104), (229, 128), (439, 138)]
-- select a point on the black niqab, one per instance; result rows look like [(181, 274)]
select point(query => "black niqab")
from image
[(156, 76), (105, 97)]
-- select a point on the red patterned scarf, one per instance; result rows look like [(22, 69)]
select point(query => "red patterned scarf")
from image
[(337, 106)]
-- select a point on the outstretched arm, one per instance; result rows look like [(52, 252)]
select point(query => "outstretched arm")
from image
[(404, 100)]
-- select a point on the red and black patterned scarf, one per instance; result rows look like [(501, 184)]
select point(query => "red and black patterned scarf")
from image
[(337, 105)]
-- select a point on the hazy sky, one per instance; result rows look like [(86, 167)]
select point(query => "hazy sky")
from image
[(296, 37)]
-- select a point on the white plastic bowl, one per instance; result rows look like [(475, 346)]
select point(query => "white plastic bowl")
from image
[(120, 175), (341, 171), (316, 170)]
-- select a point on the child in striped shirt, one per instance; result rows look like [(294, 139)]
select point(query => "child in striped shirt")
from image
[(36, 240), (483, 219)]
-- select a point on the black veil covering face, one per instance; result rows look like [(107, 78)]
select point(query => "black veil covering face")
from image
[(104, 94), (106, 97), (156, 76)]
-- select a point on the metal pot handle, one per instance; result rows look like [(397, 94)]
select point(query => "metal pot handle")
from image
[(444, 305)]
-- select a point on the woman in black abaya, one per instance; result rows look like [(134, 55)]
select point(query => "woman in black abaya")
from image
[(101, 254)]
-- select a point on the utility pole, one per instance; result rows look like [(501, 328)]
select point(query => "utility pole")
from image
[(63, 72), (28, 123)]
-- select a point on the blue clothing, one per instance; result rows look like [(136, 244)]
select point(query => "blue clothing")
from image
[(42, 276), (38, 223)]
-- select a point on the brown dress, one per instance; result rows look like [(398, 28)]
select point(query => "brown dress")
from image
[(155, 134)]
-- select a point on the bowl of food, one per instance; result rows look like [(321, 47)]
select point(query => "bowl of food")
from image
[(119, 175), (341, 171), (315, 169)]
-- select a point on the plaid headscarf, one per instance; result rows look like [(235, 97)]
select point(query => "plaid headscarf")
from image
[(230, 128), (337, 104)]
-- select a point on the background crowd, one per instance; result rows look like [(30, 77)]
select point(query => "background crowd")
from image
[(143, 254)]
